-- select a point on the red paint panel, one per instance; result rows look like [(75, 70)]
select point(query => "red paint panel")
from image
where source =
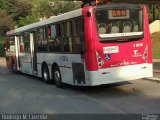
[(90, 56), (129, 53)]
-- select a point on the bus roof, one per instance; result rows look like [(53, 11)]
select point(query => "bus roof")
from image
[(51, 20)]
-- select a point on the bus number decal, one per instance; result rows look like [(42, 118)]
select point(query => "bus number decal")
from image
[(63, 58)]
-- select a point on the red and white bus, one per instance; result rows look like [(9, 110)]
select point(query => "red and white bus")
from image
[(90, 46)]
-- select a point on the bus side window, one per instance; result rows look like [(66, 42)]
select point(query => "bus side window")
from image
[(42, 40), (26, 40), (78, 26), (21, 44), (55, 40), (11, 46), (67, 39)]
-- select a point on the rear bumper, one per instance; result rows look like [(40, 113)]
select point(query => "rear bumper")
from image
[(119, 74)]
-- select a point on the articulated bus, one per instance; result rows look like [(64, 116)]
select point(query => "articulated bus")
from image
[(94, 45)]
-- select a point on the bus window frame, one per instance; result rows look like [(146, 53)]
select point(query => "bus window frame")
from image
[(79, 36), (9, 44), (67, 35), (58, 36), (45, 39), (28, 50)]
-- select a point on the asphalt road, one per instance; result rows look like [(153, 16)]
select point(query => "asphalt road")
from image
[(26, 94)]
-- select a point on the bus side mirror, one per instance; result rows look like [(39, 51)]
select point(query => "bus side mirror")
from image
[(5, 46), (88, 14)]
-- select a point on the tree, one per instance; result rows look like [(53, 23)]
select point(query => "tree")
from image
[(47, 8), (27, 20), (17, 9), (6, 23), (23, 12)]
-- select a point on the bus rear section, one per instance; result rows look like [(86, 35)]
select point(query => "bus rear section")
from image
[(118, 47)]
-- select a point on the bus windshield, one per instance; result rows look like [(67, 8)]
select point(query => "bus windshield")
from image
[(118, 22), (10, 45)]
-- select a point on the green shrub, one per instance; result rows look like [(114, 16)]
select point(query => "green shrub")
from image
[(2, 47), (156, 45)]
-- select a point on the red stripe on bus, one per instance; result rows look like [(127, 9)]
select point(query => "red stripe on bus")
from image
[(25, 62), (65, 67)]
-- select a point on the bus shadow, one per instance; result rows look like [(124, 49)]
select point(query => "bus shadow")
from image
[(111, 90), (4, 70), (31, 77)]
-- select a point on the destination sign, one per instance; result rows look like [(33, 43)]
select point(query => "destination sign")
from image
[(119, 13)]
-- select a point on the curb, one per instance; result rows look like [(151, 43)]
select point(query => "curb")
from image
[(153, 78), (156, 60), (156, 71)]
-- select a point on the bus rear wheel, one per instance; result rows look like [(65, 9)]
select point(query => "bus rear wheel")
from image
[(57, 77), (45, 74)]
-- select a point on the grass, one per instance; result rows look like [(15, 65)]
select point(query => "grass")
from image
[(1, 47), (156, 45)]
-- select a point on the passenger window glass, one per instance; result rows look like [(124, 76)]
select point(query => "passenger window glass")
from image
[(55, 40), (115, 24), (53, 31), (67, 39), (26, 40), (21, 44), (11, 46), (42, 40), (78, 26)]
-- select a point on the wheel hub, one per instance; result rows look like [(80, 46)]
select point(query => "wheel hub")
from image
[(57, 75), (45, 75)]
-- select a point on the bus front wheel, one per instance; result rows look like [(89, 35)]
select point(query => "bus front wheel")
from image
[(13, 67), (57, 77)]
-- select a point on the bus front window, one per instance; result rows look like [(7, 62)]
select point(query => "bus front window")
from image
[(11, 45), (117, 22)]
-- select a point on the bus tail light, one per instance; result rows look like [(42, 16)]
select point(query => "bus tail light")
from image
[(145, 54), (99, 60)]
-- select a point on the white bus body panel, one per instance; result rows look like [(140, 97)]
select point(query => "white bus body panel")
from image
[(92, 78), (26, 66), (65, 65), (120, 74)]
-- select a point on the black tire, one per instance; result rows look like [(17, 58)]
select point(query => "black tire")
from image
[(14, 67), (57, 77), (45, 74)]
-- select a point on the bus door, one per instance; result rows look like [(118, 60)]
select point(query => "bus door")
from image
[(33, 53), (17, 48)]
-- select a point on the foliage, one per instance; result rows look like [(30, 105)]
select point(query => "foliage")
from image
[(23, 12), (6, 23), (27, 20), (16, 8), (156, 45), (12, 11), (157, 11), (47, 8), (1, 47)]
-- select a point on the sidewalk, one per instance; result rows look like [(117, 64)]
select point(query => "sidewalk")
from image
[(3, 69), (2, 62), (156, 66), (156, 70)]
